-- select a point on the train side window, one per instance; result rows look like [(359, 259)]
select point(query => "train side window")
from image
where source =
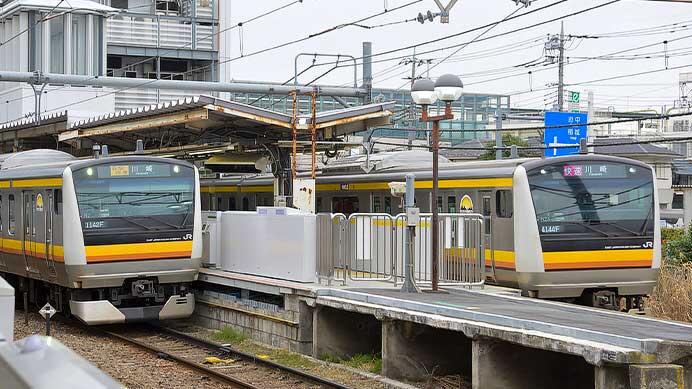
[(220, 205), (451, 204), (246, 204), (57, 201), (11, 227), (231, 203), (318, 204), (388, 205), (346, 205), (0, 212), (376, 204), (486, 214), (503, 204), (440, 208)]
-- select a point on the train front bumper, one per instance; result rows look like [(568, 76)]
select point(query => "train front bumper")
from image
[(103, 312), (566, 284)]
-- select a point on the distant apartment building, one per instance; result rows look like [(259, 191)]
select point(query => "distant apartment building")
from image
[(145, 39)]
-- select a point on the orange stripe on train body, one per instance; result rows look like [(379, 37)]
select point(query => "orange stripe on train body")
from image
[(138, 251)]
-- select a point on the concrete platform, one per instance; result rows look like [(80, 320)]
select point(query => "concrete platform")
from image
[(493, 336)]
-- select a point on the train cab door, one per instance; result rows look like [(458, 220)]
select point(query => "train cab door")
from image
[(29, 233), (487, 211)]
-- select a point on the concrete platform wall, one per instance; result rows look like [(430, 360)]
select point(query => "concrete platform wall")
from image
[(289, 329), (413, 351)]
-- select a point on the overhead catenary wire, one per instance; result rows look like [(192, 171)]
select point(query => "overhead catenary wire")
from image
[(478, 28), (255, 52), (555, 126), (509, 147)]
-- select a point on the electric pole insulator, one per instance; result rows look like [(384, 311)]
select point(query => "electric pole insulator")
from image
[(526, 3)]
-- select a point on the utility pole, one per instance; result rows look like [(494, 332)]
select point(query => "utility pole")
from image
[(412, 134), (561, 72), (415, 62)]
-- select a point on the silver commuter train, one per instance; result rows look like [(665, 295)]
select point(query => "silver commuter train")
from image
[(578, 227), (108, 240)]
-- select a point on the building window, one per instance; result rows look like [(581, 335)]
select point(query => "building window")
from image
[(79, 47), (98, 51), (168, 7), (662, 171), (503, 203), (35, 42), (57, 44)]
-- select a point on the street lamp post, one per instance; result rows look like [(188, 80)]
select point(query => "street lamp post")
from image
[(447, 88)]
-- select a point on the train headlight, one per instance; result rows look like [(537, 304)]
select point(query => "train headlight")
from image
[(543, 171), (633, 170), (176, 169), (90, 172)]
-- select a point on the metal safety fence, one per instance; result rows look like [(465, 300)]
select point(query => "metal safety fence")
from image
[(372, 247)]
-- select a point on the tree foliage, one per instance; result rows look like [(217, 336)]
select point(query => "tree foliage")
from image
[(678, 249), (507, 140)]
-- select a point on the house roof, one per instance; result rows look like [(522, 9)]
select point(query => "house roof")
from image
[(471, 149), (56, 6), (624, 146), (682, 167)]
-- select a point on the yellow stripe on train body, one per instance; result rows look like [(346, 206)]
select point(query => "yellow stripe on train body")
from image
[(37, 182), (15, 246), (461, 183)]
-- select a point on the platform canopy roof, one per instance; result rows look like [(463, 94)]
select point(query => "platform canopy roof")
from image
[(204, 121)]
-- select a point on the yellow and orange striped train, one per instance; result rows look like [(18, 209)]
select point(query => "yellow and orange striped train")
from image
[(109, 240), (575, 227)]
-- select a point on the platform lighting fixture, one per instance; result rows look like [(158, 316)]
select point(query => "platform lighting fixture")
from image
[(448, 88)]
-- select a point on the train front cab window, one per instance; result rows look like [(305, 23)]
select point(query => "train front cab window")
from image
[(592, 199), (161, 208)]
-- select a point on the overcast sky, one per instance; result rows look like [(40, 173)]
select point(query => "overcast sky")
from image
[(479, 62)]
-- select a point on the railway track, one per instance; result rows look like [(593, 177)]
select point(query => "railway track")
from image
[(232, 367)]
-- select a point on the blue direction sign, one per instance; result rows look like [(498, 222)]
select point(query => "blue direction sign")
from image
[(556, 138)]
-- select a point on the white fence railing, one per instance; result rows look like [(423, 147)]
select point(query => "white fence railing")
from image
[(156, 31), (371, 247)]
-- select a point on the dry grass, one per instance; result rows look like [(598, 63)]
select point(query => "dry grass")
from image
[(672, 297)]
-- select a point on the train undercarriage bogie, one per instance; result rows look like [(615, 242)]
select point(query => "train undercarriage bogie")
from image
[(609, 299), (139, 299)]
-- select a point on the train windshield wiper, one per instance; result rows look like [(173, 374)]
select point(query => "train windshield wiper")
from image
[(132, 220), (613, 224)]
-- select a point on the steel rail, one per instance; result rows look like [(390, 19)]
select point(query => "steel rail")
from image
[(227, 349), (155, 350)]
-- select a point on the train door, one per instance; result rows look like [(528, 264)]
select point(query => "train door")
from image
[(49, 251), (29, 232), (3, 221), (486, 211)]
